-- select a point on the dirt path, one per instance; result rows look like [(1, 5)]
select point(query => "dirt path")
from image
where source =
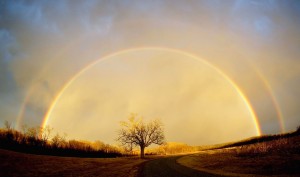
[(168, 167)]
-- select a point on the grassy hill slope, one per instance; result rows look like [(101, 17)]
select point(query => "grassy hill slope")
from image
[(277, 155)]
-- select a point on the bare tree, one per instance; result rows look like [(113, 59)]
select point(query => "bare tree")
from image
[(7, 125), (135, 132), (44, 134), (58, 141)]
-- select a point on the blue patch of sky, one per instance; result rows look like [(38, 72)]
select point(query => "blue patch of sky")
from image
[(263, 25)]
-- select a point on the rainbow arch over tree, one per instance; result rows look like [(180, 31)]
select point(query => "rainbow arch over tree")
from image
[(109, 56)]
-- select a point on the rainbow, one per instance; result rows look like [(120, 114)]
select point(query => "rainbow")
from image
[(32, 87), (273, 99), (22, 109), (107, 57)]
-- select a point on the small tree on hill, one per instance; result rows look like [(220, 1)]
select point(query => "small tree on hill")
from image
[(135, 132)]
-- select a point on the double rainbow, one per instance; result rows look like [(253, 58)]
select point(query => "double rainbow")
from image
[(109, 56)]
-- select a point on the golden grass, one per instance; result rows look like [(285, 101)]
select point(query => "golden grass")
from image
[(279, 157), (278, 146), (20, 164)]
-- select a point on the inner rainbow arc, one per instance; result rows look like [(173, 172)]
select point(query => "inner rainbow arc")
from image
[(90, 65)]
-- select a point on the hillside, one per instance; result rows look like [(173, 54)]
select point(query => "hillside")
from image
[(277, 155), (252, 140)]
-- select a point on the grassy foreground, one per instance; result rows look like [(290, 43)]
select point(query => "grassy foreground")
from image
[(278, 157), (20, 164), (275, 155)]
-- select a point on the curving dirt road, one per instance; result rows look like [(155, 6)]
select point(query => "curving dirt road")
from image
[(168, 167)]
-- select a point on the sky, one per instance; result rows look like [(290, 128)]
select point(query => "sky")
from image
[(213, 71)]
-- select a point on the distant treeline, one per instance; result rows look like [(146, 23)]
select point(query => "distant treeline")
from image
[(37, 141), (171, 148)]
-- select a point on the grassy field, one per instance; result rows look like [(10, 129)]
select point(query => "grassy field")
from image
[(250, 141), (20, 164), (278, 157), (274, 155)]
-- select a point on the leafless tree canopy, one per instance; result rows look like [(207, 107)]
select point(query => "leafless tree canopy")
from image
[(135, 132)]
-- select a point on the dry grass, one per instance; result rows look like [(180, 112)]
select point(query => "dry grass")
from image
[(283, 146), (278, 158), (20, 164)]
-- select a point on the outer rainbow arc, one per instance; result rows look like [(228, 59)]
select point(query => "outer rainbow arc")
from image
[(22, 109), (60, 93), (271, 94), (32, 87)]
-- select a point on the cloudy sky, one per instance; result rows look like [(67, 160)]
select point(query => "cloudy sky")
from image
[(205, 68)]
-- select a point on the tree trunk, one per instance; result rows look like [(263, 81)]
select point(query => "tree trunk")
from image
[(142, 152)]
